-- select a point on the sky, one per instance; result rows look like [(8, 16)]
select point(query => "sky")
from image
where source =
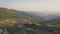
[(31, 5)]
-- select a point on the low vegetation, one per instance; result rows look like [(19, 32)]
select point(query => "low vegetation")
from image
[(10, 17)]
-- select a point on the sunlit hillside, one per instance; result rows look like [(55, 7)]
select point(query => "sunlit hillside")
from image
[(14, 16)]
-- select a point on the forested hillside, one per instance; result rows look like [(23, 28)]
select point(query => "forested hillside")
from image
[(15, 16)]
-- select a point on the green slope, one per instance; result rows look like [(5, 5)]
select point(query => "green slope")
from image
[(53, 21), (6, 14)]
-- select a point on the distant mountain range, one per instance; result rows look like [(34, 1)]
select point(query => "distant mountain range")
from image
[(36, 15), (48, 18), (43, 16), (46, 15)]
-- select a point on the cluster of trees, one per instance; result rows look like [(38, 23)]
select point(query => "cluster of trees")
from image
[(34, 29)]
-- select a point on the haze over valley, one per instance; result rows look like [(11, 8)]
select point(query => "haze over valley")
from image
[(29, 16), (47, 15)]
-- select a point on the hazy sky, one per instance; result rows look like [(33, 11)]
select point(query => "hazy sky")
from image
[(32, 5)]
